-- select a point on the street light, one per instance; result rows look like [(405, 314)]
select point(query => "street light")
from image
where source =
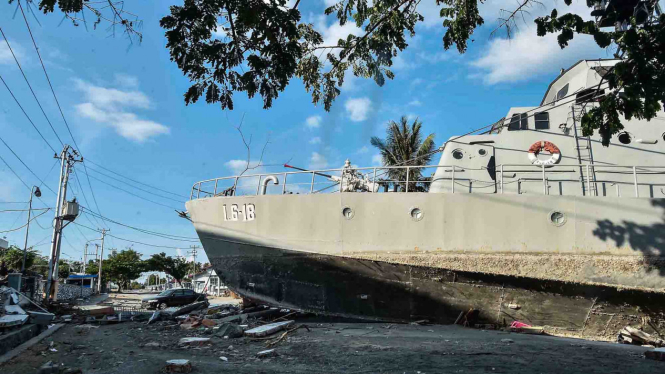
[(36, 192)]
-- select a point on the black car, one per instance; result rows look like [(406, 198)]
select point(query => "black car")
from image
[(174, 297)]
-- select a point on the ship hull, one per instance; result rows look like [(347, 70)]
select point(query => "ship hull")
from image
[(592, 292)]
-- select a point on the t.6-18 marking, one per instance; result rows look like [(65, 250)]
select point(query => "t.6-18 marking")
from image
[(247, 211)]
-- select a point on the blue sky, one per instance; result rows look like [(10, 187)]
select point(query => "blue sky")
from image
[(125, 107)]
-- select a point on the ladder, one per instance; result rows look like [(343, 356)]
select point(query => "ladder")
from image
[(584, 151)]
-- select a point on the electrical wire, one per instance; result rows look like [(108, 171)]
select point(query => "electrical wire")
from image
[(30, 86), (128, 240), (26, 224), (135, 181), (85, 198), (22, 210), (26, 115), (131, 193), (149, 232), (138, 188), (26, 166)]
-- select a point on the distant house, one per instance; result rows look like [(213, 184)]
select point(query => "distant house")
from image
[(208, 282), (83, 280)]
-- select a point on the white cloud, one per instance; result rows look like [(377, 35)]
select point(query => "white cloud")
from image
[(415, 102), (111, 107), (315, 140), (377, 160), (127, 81), (362, 150), (358, 109), (6, 57), (317, 161), (313, 122), (238, 166)]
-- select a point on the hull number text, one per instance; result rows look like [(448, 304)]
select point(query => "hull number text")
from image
[(242, 212)]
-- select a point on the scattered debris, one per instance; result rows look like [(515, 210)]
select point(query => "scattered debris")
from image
[(208, 323), (175, 312), (507, 340), (86, 327), (230, 330), (631, 335), (224, 359), (657, 354), (152, 344), (49, 368), (155, 317), (178, 366), (193, 341), (266, 353), (514, 306), (268, 329), (421, 322)]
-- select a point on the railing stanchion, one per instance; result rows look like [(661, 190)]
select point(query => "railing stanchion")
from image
[(407, 179), (284, 185), (214, 192), (235, 187), (637, 192), (453, 180), (374, 181), (198, 193), (588, 180), (501, 171), (544, 181), (258, 188), (311, 186)]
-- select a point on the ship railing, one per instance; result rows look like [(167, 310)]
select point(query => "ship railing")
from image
[(317, 181), (592, 176)]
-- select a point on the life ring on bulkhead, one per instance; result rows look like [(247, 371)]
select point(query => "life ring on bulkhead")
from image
[(537, 147)]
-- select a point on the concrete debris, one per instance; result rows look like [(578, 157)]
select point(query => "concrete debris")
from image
[(194, 341), (631, 335), (86, 327), (186, 309), (507, 340), (657, 354), (152, 344), (96, 310), (514, 306), (67, 292), (421, 322), (11, 320), (224, 359), (208, 323), (14, 309), (268, 329), (178, 366), (230, 330), (266, 353), (155, 317)]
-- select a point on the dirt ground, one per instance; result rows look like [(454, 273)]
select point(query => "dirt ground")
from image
[(330, 347)]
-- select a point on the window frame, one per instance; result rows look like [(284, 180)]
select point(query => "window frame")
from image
[(563, 89), (540, 121)]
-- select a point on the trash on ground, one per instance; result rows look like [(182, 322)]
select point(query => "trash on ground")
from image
[(193, 341), (268, 329), (178, 366), (266, 353)]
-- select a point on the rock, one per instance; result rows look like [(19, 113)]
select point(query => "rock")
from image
[(194, 341), (178, 366), (231, 330), (208, 323), (152, 344), (266, 353), (268, 329), (49, 368)]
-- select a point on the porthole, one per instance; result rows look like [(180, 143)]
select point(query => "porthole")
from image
[(458, 154), (416, 214), (482, 152), (624, 138), (347, 213), (557, 218)]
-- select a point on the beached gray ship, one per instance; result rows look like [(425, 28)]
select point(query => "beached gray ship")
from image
[(526, 221)]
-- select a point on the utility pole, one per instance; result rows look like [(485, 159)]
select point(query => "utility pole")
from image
[(36, 192), (101, 259), (193, 252), (67, 160)]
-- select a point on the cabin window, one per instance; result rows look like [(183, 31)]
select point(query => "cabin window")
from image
[(562, 92), (518, 122), (458, 154), (542, 120)]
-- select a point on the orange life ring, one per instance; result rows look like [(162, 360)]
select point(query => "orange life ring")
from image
[(537, 147)]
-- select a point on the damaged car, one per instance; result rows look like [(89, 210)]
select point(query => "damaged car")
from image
[(173, 297)]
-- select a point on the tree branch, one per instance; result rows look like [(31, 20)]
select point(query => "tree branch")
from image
[(511, 17)]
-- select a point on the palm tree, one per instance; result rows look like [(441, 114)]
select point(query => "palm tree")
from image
[(404, 146)]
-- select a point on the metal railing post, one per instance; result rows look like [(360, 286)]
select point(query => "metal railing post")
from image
[(374, 181), (198, 193), (501, 171), (235, 187), (544, 181), (284, 185), (453, 180), (258, 188), (311, 186), (214, 192), (588, 180), (407, 179), (637, 192)]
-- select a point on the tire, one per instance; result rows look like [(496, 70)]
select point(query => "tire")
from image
[(161, 306)]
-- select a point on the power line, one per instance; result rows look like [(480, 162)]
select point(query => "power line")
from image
[(26, 115), (22, 210), (26, 166), (12, 170), (30, 86), (55, 97), (131, 193), (128, 240), (85, 198), (138, 188), (149, 232), (26, 224), (135, 181)]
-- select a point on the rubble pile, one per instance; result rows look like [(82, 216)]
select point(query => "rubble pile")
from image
[(631, 335), (14, 315), (73, 292)]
